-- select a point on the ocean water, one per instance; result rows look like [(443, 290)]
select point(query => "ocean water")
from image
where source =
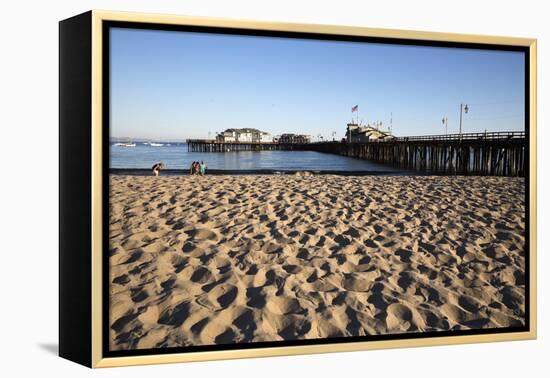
[(176, 156)]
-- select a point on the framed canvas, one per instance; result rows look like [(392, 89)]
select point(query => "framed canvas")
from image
[(234, 189)]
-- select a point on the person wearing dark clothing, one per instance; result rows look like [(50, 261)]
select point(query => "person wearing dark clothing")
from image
[(156, 168)]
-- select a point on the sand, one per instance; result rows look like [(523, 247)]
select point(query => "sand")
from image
[(233, 259)]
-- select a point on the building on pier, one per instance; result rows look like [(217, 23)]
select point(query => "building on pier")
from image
[(244, 135), (356, 133), (294, 139)]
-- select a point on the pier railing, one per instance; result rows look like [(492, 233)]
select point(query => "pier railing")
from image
[(486, 136)]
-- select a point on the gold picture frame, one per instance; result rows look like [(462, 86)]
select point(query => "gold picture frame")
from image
[(91, 24)]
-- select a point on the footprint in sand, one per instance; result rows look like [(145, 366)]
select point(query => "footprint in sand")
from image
[(202, 234), (246, 323), (284, 305), (403, 318), (219, 297), (201, 275), (297, 329), (404, 255), (135, 256), (179, 262), (468, 303), (405, 280), (227, 337), (226, 295), (353, 232), (360, 281), (292, 269), (121, 280), (139, 295), (255, 297), (175, 316)]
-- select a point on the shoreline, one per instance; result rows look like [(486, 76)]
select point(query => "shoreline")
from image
[(285, 172), (246, 172)]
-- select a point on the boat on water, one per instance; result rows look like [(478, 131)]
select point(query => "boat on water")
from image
[(127, 144), (156, 144)]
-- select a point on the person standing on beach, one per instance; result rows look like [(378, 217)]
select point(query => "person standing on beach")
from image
[(192, 170), (156, 168), (202, 168)]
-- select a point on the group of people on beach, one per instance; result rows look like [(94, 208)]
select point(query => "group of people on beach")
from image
[(198, 168)]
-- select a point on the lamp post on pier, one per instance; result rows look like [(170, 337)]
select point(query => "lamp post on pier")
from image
[(463, 109)]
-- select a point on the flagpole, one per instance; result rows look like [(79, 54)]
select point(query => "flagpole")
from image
[(353, 109)]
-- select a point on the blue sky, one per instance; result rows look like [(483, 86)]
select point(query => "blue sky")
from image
[(177, 85)]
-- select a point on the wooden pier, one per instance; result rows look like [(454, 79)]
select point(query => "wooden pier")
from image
[(494, 154), (212, 145), (490, 153)]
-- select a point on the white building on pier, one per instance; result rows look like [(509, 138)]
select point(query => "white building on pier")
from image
[(245, 135), (358, 133)]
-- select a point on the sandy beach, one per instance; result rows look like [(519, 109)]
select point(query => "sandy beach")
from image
[(231, 259)]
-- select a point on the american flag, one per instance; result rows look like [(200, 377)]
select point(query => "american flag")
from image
[(355, 108)]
